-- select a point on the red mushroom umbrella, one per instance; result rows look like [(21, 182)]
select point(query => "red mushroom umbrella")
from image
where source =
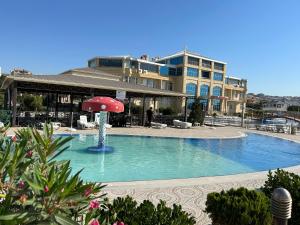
[(102, 105), (97, 104)]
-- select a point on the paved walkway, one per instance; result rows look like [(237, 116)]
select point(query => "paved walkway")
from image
[(190, 193)]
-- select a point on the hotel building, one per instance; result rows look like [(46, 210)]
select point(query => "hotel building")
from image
[(184, 72)]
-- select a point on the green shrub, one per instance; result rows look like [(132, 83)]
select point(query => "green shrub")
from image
[(197, 115), (238, 207), (128, 211), (289, 181)]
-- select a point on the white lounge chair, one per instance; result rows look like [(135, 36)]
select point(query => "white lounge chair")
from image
[(158, 125), (83, 123), (55, 125), (181, 124)]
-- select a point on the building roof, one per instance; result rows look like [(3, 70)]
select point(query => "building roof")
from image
[(185, 52), (95, 81)]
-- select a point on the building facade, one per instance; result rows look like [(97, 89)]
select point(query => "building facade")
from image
[(184, 72)]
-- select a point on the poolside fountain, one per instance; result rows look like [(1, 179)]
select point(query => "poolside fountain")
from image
[(102, 105)]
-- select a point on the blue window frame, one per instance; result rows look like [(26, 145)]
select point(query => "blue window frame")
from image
[(192, 72), (204, 104), (217, 91), (191, 89), (164, 70), (218, 76), (204, 90), (216, 104), (176, 61)]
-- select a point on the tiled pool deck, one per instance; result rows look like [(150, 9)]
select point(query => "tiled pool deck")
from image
[(190, 193)]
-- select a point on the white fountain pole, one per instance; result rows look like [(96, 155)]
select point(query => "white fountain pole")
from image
[(102, 128)]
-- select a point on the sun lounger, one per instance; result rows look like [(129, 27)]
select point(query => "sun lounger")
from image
[(55, 125), (158, 125), (83, 123), (182, 125)]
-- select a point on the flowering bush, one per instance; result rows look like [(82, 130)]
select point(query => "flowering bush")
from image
[(37, 189)]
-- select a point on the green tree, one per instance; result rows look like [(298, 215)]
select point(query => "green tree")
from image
[(197, 115)]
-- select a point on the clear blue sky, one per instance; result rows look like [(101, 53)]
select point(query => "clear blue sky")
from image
[(259, 39)]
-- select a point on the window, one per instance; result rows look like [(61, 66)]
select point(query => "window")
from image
[(206, 63), (216, 104), (191, 89), (176, 61), (179, 71), (150, 67), (133, 80), (92, 63), (166, 85), (218, 76), (192, 72), (172, 71), (164, 70), (217, 91), (134, 64), (205, 74), (218, 66), (110, 62), (193, 61), (204, 104), (162, 62), (204, 90)]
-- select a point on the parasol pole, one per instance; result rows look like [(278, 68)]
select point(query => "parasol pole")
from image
[(102, 128)]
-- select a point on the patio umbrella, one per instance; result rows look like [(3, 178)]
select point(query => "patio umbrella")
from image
[(102, 105)]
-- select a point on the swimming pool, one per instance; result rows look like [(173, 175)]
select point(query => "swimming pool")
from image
[(156, 158)]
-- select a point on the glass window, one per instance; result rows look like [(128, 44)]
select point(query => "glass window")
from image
[(204, 104), (176, 61), (205, 74), (172, 71), (192, 72), (164, 70), (217, 91), (206, 63), (218, 66), (92, 63), (162, 61), (149, 67), (193, 61), (191, 89), (204, 90), (110, 62), (166, 85), (218, 76), (216, 104), (179, 71), (134, 64)]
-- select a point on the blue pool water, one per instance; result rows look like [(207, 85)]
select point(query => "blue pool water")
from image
[(153, 158)]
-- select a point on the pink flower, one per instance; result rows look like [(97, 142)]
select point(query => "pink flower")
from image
[(46, 189), (94, 204), (21, 184), (87, 192), (29, 154), (14, 138), (94, 222), (119, 223)]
